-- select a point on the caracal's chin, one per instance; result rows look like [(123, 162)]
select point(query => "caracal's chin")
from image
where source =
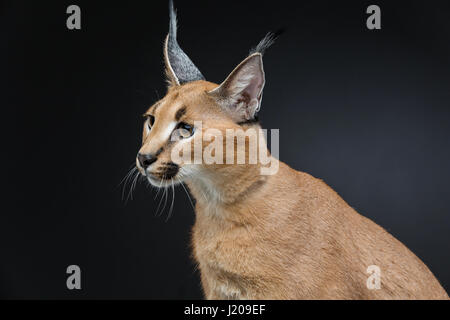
[(161, 182)]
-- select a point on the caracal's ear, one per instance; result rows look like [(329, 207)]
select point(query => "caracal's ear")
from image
[(240, 95), (179, 68)]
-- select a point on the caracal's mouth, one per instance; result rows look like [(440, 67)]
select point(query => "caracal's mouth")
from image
[(163, 178), (155, 181)]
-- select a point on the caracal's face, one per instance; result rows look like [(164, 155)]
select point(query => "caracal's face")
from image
[(171, 127), (196, 112)]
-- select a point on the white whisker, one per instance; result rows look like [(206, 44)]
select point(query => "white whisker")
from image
[(130, 193), (173, 200), (159, 188), (126, 180), (165, 196), (187, 193), (160, 201)]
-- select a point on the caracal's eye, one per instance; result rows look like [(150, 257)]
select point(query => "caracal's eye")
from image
[(186, 130), (182, 131), (150, 121)]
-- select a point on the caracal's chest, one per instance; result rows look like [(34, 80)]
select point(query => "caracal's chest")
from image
[(226, 254)]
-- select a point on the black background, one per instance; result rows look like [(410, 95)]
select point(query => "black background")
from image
[(367, 111)]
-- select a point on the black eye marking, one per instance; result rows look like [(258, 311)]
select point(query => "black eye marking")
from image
[(151, 120), (159, 151), (181, 112)]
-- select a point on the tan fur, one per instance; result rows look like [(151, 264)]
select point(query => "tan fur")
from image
[(284, 236)]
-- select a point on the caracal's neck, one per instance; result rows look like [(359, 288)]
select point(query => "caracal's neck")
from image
[(226, 185), (229, 187)]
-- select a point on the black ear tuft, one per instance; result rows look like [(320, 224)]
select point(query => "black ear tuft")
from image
[(267, 41), (179, 67)]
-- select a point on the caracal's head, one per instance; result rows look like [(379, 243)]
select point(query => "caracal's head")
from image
[(179, 129)]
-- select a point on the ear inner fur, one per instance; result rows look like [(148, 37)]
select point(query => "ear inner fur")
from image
[(240, 95)]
